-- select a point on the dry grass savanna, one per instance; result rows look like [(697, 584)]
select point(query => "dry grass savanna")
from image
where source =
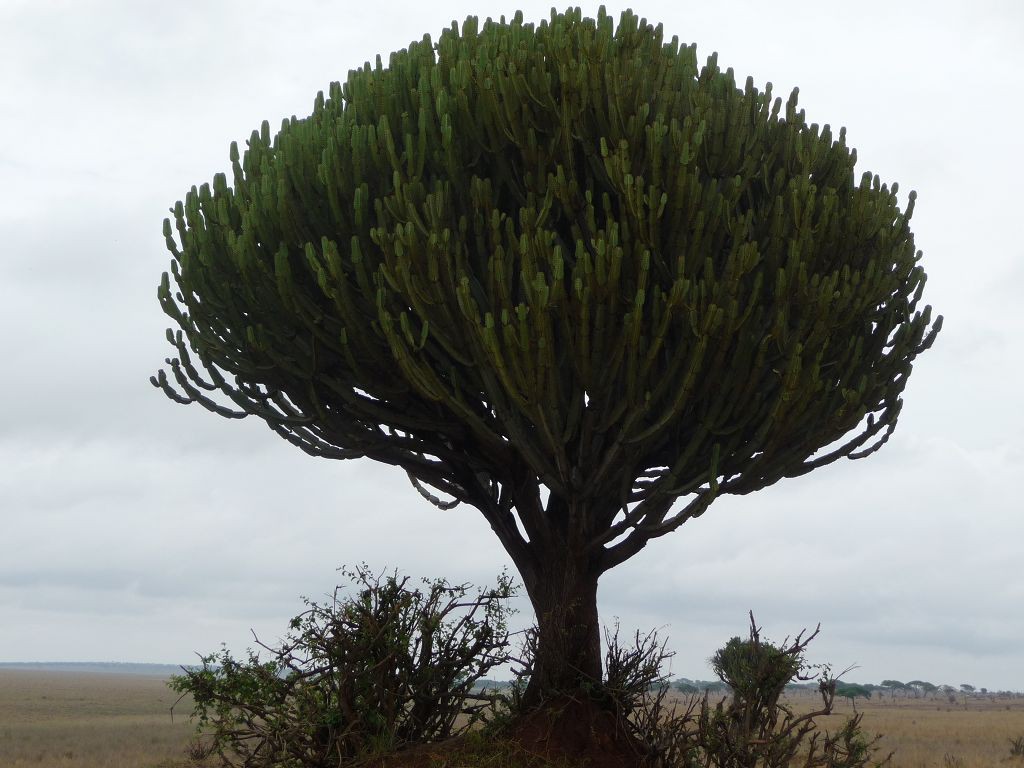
[(975, 732), (87, 720)]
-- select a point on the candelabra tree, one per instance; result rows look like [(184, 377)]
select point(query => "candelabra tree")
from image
[(561, 274)]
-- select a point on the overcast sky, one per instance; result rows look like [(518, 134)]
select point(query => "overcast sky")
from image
[(134, 529)]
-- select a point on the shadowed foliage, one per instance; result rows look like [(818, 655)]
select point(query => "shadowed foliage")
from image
[(384, 666), (752, 727)]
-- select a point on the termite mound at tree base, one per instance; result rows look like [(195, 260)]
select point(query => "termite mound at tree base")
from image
[(566, 732), (577, 729)]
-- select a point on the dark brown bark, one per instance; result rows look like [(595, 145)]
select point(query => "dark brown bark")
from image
[(568, 652)]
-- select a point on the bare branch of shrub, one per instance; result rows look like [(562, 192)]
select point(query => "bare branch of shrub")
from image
[(750, 727)]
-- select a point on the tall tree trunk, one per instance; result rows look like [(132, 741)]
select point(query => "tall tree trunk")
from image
[(568, 653)]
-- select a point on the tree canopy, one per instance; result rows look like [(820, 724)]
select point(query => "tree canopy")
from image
[(561, 257), (558, 254)]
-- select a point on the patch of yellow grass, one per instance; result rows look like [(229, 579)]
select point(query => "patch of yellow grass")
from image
[(933, 733), (64, 719)]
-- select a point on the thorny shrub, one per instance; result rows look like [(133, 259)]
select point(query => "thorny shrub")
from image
[(359, 675), (391, 665), (749, 728)]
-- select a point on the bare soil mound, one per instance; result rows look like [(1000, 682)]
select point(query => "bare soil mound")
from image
[(566, 732)]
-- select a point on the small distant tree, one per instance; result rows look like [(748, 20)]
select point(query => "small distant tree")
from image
[(852, 691), (892, 686), (921, 687), (967, 688)]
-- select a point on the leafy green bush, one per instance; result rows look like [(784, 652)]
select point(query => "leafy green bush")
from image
[(361, 674), (756, 672)]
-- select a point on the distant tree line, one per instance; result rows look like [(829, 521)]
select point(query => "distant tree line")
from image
[(891, 688)]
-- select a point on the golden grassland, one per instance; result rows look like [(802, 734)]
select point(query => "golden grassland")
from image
[(87, 720), (933, 733)]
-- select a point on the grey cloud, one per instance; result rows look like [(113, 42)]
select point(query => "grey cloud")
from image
[(136, 529)]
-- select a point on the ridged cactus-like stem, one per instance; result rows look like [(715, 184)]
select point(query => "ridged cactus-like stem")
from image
[(561, 256)]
